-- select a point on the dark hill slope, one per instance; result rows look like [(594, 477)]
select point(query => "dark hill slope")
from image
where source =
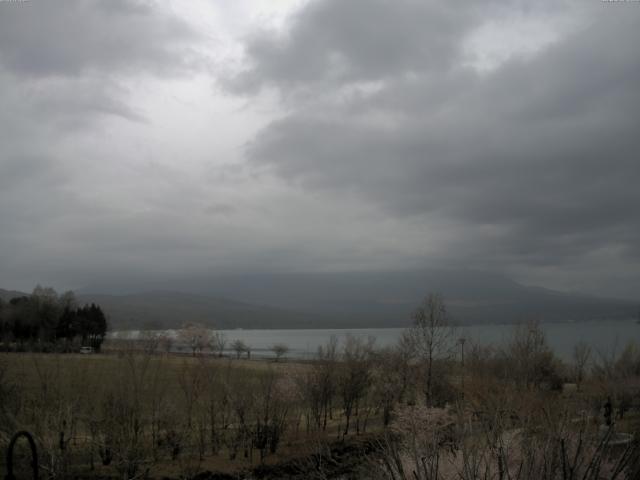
[(158, 310), (370, 299)]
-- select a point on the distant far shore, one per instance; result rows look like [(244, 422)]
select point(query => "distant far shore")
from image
[(604, 336)]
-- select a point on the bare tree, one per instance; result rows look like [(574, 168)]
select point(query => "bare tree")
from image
[(326, 372), (119, 431), (432, 336), (317, 385), (166, 342), (404, 352), (150, 342), (391, 375), (9, 404), (196, 337), (215, 406), (191, 380), (279, 349), (239, 347), (241, 392), (581, 356), (355, 376), (218, 342), (274, 397), (530, 359), (156, 397)]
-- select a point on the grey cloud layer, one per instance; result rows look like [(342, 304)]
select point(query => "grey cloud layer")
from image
[(332, 42), (356, 40), (542, 152), (70, 37), (384, 133), (91, 185), (64, 67), (63, 64)]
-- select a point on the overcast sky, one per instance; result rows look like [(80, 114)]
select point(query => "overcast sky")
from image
[(172, 138)]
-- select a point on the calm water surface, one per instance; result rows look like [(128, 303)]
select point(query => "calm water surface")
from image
[(605, 337)]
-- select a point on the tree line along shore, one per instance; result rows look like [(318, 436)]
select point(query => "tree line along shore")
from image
[(47, 322)]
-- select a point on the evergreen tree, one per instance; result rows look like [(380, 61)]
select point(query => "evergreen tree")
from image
[(46, 317)]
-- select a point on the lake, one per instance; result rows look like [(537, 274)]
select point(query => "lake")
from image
[(604, 337)]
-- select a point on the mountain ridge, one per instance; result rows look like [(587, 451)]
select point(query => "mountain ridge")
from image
[(350, 300)]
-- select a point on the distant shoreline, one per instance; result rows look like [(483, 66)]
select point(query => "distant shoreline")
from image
[(304, 328)]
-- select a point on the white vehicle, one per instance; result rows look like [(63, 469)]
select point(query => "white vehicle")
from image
[(86, 350)]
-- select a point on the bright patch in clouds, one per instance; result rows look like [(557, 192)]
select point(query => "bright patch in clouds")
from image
[(499, 40)]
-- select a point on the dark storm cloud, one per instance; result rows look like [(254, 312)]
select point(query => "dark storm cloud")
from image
[(337, 42), (70, 37), (356, 40), (542, 152)]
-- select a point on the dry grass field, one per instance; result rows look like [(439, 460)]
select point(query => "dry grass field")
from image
[(158, 415)]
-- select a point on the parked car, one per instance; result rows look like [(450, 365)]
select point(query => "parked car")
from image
[(86, 349)]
